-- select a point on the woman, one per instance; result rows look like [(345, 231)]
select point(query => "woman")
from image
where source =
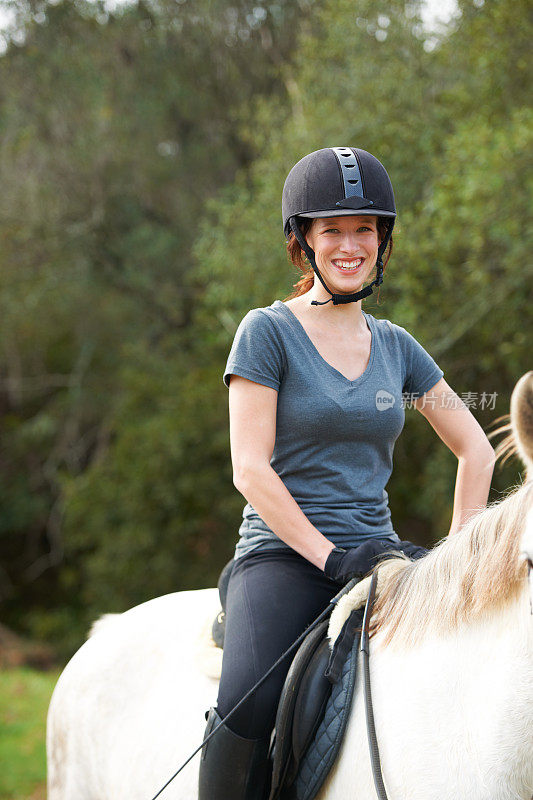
[(315, 398)]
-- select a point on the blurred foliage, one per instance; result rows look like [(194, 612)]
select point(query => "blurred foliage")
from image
[(142, 155)]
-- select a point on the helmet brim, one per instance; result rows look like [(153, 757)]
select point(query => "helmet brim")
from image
[(347, 212)]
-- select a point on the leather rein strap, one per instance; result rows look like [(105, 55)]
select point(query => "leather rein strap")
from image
[(370, 724)]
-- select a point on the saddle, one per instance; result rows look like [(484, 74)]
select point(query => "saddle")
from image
[(219, 625), (314, 705)]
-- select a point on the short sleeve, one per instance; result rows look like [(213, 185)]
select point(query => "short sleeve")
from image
[(257, 352), (421, 371)]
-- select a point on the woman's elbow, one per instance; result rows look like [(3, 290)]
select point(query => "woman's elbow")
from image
[(246, 475), (479, 451), (488, 456), (491, 455), (238, 479)]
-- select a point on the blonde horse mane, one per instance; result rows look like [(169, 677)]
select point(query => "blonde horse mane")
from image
[(519, 425), (476, 570), (473, 572)]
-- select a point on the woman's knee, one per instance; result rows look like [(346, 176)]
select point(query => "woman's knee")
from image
[(255, 718)]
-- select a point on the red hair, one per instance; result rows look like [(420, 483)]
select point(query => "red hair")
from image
[(298, 258)]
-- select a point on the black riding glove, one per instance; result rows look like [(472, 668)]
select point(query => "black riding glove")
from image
[(412, 550), (343, 565)]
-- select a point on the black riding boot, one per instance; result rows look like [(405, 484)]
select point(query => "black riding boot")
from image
[(231, 767)]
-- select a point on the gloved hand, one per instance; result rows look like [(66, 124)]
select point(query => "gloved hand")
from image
[(414, 551), (343, 565)]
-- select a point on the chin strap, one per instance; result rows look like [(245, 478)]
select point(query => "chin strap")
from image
[(339, 299)]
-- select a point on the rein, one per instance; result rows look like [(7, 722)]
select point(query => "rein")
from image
[(529, 562), (370, 724)]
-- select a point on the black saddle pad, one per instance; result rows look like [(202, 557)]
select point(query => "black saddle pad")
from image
[(313, 711), (301, 707)]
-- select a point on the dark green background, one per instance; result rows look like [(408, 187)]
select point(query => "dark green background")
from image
[(142, 157)]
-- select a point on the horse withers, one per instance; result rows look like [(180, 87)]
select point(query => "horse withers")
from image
[(451, 670)]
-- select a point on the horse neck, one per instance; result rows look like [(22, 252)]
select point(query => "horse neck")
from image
[(494, 651), (497, 648), (477, 679)]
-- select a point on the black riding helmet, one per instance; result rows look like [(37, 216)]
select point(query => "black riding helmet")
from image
[(334, 182)]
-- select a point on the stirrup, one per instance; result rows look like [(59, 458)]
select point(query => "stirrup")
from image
[(231, 767)]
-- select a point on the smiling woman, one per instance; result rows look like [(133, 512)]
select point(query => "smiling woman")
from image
[(349, 245), (333, 183), (315, 401), (297, 256)]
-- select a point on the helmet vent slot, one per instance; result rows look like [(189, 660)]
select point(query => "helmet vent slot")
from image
[(351, 176)]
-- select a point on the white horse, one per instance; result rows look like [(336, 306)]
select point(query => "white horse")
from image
[(451, 670)]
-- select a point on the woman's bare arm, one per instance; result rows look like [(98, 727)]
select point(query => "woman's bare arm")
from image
[(252, 409), (463, 435)]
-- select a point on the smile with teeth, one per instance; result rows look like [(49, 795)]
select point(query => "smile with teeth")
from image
[(347, 266)]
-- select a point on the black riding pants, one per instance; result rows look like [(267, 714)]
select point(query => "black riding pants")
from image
[(273, 595)]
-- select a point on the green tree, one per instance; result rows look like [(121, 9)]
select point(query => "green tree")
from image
[(115, 129)]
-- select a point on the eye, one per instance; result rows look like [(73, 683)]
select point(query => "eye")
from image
[(331, 230)]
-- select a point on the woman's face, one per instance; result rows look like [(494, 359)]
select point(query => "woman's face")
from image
[(346, 250)]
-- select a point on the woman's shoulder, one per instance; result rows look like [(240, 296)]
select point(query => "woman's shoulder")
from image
[(389, 328), (264, 324), (394, 336), (257, 352), (384, 326), (413, 352), (264, 316)]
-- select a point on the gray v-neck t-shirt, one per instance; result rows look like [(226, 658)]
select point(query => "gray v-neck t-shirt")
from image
[(334, 437)]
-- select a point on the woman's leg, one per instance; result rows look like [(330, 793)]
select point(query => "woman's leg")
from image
[(272, 597)]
